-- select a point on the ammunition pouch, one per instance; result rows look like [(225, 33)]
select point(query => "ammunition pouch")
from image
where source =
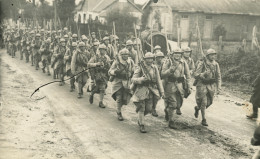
[(174, 79)]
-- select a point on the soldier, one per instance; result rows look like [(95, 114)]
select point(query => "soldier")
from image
[(74, 38), (188, 59), (156, 49), (174, 71), (11, 40), (93, 38), (255, 100), (158, 62), (27, 49), (148, 88), (67, 59), (110, 50), (79, 63), (45, 55), (66, 37), (36, 47), (99, 73), (53, 46), (122, 69), (115, 43), (23, 45), (208, 78), (132, 52), (85, 40), (59, 53)]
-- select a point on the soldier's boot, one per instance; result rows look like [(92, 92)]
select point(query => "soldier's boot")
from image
[(166, 114), (79, 95), (101, 104), (140, 122), (119, 116), (204, 122), (91, 98), (254, 114), (172, 124), (154, 113), (196, 114), (54, 74), (79, 90), (178, 111)]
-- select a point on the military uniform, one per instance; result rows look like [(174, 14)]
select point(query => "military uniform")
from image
[(255, 98), (100, 64), (45, 55), (36, 54), (174, 73), (208, 78), (79, 63), (189, 60), (147, 91), (109, 48), (122, 70)]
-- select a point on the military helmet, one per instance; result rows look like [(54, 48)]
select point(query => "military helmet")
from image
[(84, 38), (105, 38), (157, 47), (177, 50), (137, 41), (74, 35), (31, 32), (148, 55), (66, 36), (102, 46), (42, 30), (74, 44), (38, 35), (159, 54), (211, 51), (96, 43), (59, 31), (48, 40), (65, 28), (124, 52), (62, 40), (93, 33), (82, 44), (57, 37), (116, 37), (129, 42), (186, 49)]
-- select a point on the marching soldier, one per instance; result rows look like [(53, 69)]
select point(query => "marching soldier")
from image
[(208, 78), (45, 56), (132, 52), (67, 59), (79, 63), (156, 49), (174, 71), (255, 100), (23, 45), (158, 62), (53, 47), (148, 88), (27, 49), (93, 38), (85, 40), (59, 53), (122, 70), (188, 59), (36, 47), (99, 73), (110, 50)]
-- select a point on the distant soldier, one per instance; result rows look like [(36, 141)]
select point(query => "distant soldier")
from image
[(59, 53), (174, 71), (67, 59), (110, 49), (188, 59), (27, 49), (122, 69), (45, 55), (23, 45), (132, 52), (36, 48), (93, 38), (66, 38), (86, 41), (148, 89), (158, 62), (255, 98), (115, 43), (79, 64), (208, 78), (94, 49), (99, 73), (156, 49)]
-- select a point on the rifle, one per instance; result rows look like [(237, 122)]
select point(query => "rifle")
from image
[(111, 78)]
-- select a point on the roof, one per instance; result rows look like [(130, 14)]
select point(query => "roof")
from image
[(87, 5), (242, 7)]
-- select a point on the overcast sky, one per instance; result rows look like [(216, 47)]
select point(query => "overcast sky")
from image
[(77, 1)]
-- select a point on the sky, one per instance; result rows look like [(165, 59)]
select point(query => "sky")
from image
[(77, 1)]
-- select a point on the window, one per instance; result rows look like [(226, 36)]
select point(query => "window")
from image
[(208, 17), (184, 16)]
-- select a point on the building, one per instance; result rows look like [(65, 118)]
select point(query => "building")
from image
[(99, 8), (238, 17)]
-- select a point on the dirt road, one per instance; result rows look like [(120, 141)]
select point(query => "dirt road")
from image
[(62, 126)]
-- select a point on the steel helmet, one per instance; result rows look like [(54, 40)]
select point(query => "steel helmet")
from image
[(65, 28), (177, 50), (84, 38), (124, 52), (42, 30), (105, 38), (38, 35), (116, 37), (93, 33), (31, 32), (157, 47), (82, 44), (102, 46), (186, 49), (129, 42), (211, 51), (74, 44), (148, 55), (66, 36), (59, 31), (96, 43), (137, 41), (57, 37), (48, 40), (62, 40), (159, 54), (74, 35)]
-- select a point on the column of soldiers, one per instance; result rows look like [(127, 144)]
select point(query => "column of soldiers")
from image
[(145, 80)]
